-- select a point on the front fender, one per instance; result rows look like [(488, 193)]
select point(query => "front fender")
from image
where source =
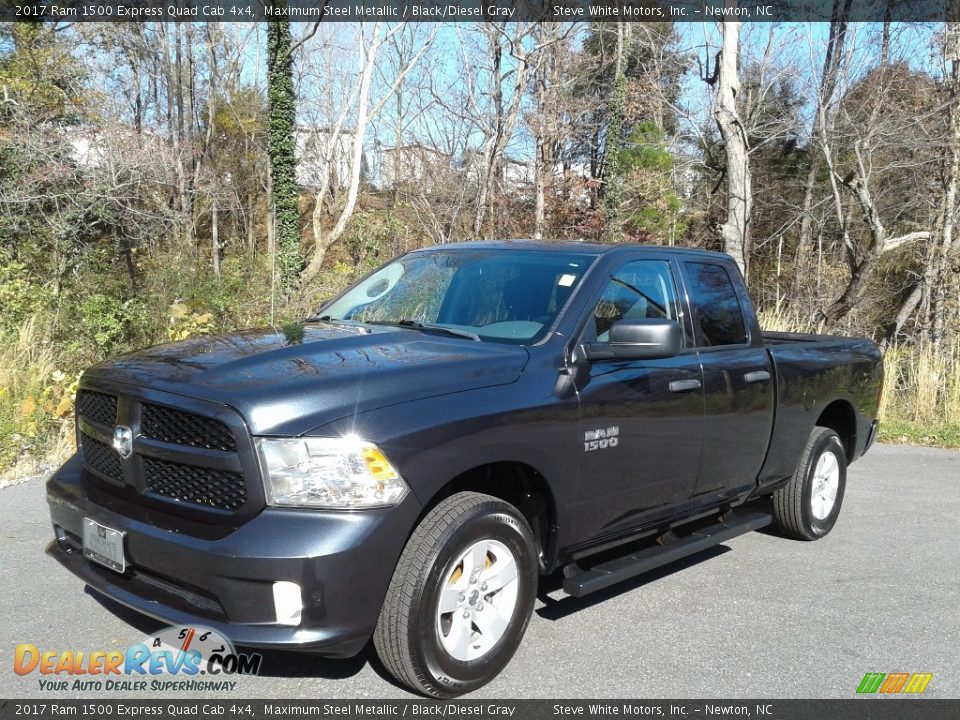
[(434, 440)]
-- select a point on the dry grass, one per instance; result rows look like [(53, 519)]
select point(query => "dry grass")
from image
[(781, 319), (36, 428), (28, 357), (923, 386)]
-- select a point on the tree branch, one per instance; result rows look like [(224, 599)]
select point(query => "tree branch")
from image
[(895, 242)]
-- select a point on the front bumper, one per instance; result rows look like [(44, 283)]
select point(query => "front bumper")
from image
[(342, 561)]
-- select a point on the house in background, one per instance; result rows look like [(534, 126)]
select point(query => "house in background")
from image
[(513, 175), (87, 148), (107, 148), (516, 174), (312, 144), (413, 163)]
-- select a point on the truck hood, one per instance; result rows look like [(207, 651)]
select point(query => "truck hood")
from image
[(287, 382)]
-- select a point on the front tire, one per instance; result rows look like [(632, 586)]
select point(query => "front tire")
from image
[(806, 508), (460, 598)]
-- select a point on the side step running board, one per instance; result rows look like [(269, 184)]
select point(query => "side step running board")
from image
[(583, 582)]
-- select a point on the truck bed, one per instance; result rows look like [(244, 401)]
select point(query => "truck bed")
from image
[(808, 367)]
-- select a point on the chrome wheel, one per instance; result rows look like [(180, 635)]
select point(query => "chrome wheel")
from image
[(477, 600), (826, 483)]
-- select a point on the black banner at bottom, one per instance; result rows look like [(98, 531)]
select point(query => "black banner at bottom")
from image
[(852, 709)]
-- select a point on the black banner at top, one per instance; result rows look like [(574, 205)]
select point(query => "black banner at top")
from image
[(478, 10)]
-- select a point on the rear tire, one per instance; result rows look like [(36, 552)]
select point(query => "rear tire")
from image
[(806, 508), (461, 597)]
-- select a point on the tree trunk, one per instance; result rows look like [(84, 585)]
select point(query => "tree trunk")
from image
[(487, 171), (907, 309), (271, 221), (544, 169), (210, 150), (248, 221), (735, 232), (613, 167), (397, 148), (215, 238), (540, 175), (833, 60), (282, 152), (541, 133)]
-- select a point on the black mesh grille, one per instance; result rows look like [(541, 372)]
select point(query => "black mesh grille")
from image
[(96, 406), (101, 457), (202, 486), (184, 428)]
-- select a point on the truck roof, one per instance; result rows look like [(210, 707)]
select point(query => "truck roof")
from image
[(578, 246)]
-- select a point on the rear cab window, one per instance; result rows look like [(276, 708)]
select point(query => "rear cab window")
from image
[(718, 317)]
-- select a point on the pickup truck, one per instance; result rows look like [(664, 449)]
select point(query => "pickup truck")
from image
[(410, 462)]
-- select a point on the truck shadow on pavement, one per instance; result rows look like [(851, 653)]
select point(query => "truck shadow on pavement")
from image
[(557, 609), (276, 663)]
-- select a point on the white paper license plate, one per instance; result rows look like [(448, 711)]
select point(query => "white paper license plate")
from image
[(103, 545)]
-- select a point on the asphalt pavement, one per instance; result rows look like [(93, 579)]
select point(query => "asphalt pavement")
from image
[(759, 616)]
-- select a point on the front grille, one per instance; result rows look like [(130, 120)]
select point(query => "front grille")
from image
[(191, 458), (99, 407), (198, 485), (101, 457), (184, 428)]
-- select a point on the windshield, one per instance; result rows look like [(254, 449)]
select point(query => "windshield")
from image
[(510, 296)]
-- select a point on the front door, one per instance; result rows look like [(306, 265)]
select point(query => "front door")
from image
[(641, 420)]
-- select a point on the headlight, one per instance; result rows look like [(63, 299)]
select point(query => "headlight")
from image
[(342, 473)]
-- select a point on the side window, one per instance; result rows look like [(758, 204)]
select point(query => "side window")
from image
[(717, 308), (638, 290)]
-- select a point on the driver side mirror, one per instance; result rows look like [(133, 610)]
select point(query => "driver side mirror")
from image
[(647, 339)]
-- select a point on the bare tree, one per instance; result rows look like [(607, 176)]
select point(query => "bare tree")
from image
[(735, 231), (943, 254), (547, 119), (833, 61), (509, 70), (369, 47), (880, 133)]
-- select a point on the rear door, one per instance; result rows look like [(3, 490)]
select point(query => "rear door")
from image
[(738, 386), (641, 420)]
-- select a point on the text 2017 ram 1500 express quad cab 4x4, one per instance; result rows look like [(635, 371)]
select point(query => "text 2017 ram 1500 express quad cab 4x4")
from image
[(409, 462)]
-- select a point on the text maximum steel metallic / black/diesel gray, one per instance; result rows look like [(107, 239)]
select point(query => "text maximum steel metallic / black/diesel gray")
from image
[(408, 463)]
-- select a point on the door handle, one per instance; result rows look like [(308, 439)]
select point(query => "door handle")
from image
[(757, 376), (683, 385)]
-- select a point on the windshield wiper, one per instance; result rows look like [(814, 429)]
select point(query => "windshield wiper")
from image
[(426, 327), (350, 324), (332, 320)]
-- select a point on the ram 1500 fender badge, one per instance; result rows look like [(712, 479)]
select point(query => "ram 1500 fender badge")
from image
[(601, 438)]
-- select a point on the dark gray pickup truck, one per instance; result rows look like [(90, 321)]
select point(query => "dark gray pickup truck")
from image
[(408, 463)]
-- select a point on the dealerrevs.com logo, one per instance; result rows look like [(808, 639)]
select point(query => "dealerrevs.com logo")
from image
[(197, 658)]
